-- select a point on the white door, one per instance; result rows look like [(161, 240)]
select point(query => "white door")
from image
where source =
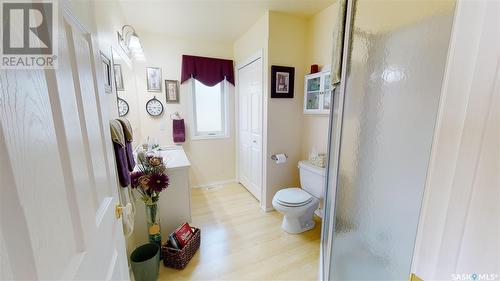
[(459, 226), (58, 190), (250, 126)]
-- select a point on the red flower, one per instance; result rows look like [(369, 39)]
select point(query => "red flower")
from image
[(158, 182), (134, 179)]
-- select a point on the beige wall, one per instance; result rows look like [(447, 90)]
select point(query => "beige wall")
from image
[(212, 161), (252, 41), (287, 47), (103, 24), (283, 39), (108, 24), (256, 40), (319, 51), (104, 19), (288, 41)]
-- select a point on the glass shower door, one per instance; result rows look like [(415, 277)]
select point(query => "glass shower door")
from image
[(394, 72)]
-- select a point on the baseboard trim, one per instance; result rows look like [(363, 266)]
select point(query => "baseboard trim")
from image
[(215, 183)]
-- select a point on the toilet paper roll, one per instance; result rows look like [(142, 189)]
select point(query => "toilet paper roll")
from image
[(280, 158)]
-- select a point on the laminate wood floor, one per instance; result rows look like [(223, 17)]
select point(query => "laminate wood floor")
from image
[(241, 242)]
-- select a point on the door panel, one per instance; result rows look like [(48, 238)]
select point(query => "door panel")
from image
[(87, 107), (394, 75), (250, 130), (32, 147), (244, 136)]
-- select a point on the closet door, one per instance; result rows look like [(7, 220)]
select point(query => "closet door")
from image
[(250, 127)]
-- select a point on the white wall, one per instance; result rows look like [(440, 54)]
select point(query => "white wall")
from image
[(211, 160), (459, 228)]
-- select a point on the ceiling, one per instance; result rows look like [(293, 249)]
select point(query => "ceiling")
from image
[(213, 20)]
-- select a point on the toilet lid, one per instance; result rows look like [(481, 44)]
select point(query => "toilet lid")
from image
[(293, 197)]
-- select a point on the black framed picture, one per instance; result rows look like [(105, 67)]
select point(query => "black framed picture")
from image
[(282, 79)]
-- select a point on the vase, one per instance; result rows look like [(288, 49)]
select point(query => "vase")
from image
[(153, 223)]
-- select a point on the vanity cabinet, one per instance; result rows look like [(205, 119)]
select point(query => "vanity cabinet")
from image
[(317, 93), (175, 201)]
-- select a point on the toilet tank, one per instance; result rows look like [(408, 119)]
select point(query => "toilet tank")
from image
[(312, 178)]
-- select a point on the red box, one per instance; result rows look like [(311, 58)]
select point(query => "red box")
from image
[(183, 234), (314, 68)]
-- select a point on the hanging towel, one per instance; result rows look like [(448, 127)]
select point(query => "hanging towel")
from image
[(127, 131), (117, 132), (118, 138), (179, 130), (338, 43)]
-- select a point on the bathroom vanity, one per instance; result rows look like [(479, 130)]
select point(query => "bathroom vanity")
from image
[(175, 201)]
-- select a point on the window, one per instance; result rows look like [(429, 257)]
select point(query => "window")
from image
[(209, 110)]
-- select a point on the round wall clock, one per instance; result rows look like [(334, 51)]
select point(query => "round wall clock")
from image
[(122, 107), (154, 107)]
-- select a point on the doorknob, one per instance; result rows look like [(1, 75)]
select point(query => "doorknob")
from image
[(119, 210), (254, 141)]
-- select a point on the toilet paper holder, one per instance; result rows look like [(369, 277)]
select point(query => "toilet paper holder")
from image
[(275, 158)]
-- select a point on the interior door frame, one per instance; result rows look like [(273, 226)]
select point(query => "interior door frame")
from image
[(258, 55)]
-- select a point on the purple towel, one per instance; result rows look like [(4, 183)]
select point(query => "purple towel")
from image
[(179, 130), (130, 156), (121, 164), (127, 132)]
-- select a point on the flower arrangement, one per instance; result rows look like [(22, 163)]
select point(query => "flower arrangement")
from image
[(151, 179)]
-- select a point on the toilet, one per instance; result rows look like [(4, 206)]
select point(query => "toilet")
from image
[(299, 204)]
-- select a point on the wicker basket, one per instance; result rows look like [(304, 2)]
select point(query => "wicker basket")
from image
[(176, 258)]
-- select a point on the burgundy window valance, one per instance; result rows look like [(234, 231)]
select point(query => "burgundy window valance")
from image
[(208, 71)]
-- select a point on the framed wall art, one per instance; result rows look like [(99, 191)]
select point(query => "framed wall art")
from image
[(282, 80), (172, 91), (118, 77), (153, 79)]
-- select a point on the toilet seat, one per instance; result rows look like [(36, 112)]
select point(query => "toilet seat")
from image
[(293, 197)]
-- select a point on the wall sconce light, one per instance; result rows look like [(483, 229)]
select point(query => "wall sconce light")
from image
[(130, 43)]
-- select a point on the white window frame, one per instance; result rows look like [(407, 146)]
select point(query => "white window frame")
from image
[(195, 135)]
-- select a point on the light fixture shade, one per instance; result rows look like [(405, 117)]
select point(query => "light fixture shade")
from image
[(130, 42), (134, 43), (138, 55)]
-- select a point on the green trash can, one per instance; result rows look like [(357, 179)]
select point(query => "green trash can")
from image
[(145, 261)]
